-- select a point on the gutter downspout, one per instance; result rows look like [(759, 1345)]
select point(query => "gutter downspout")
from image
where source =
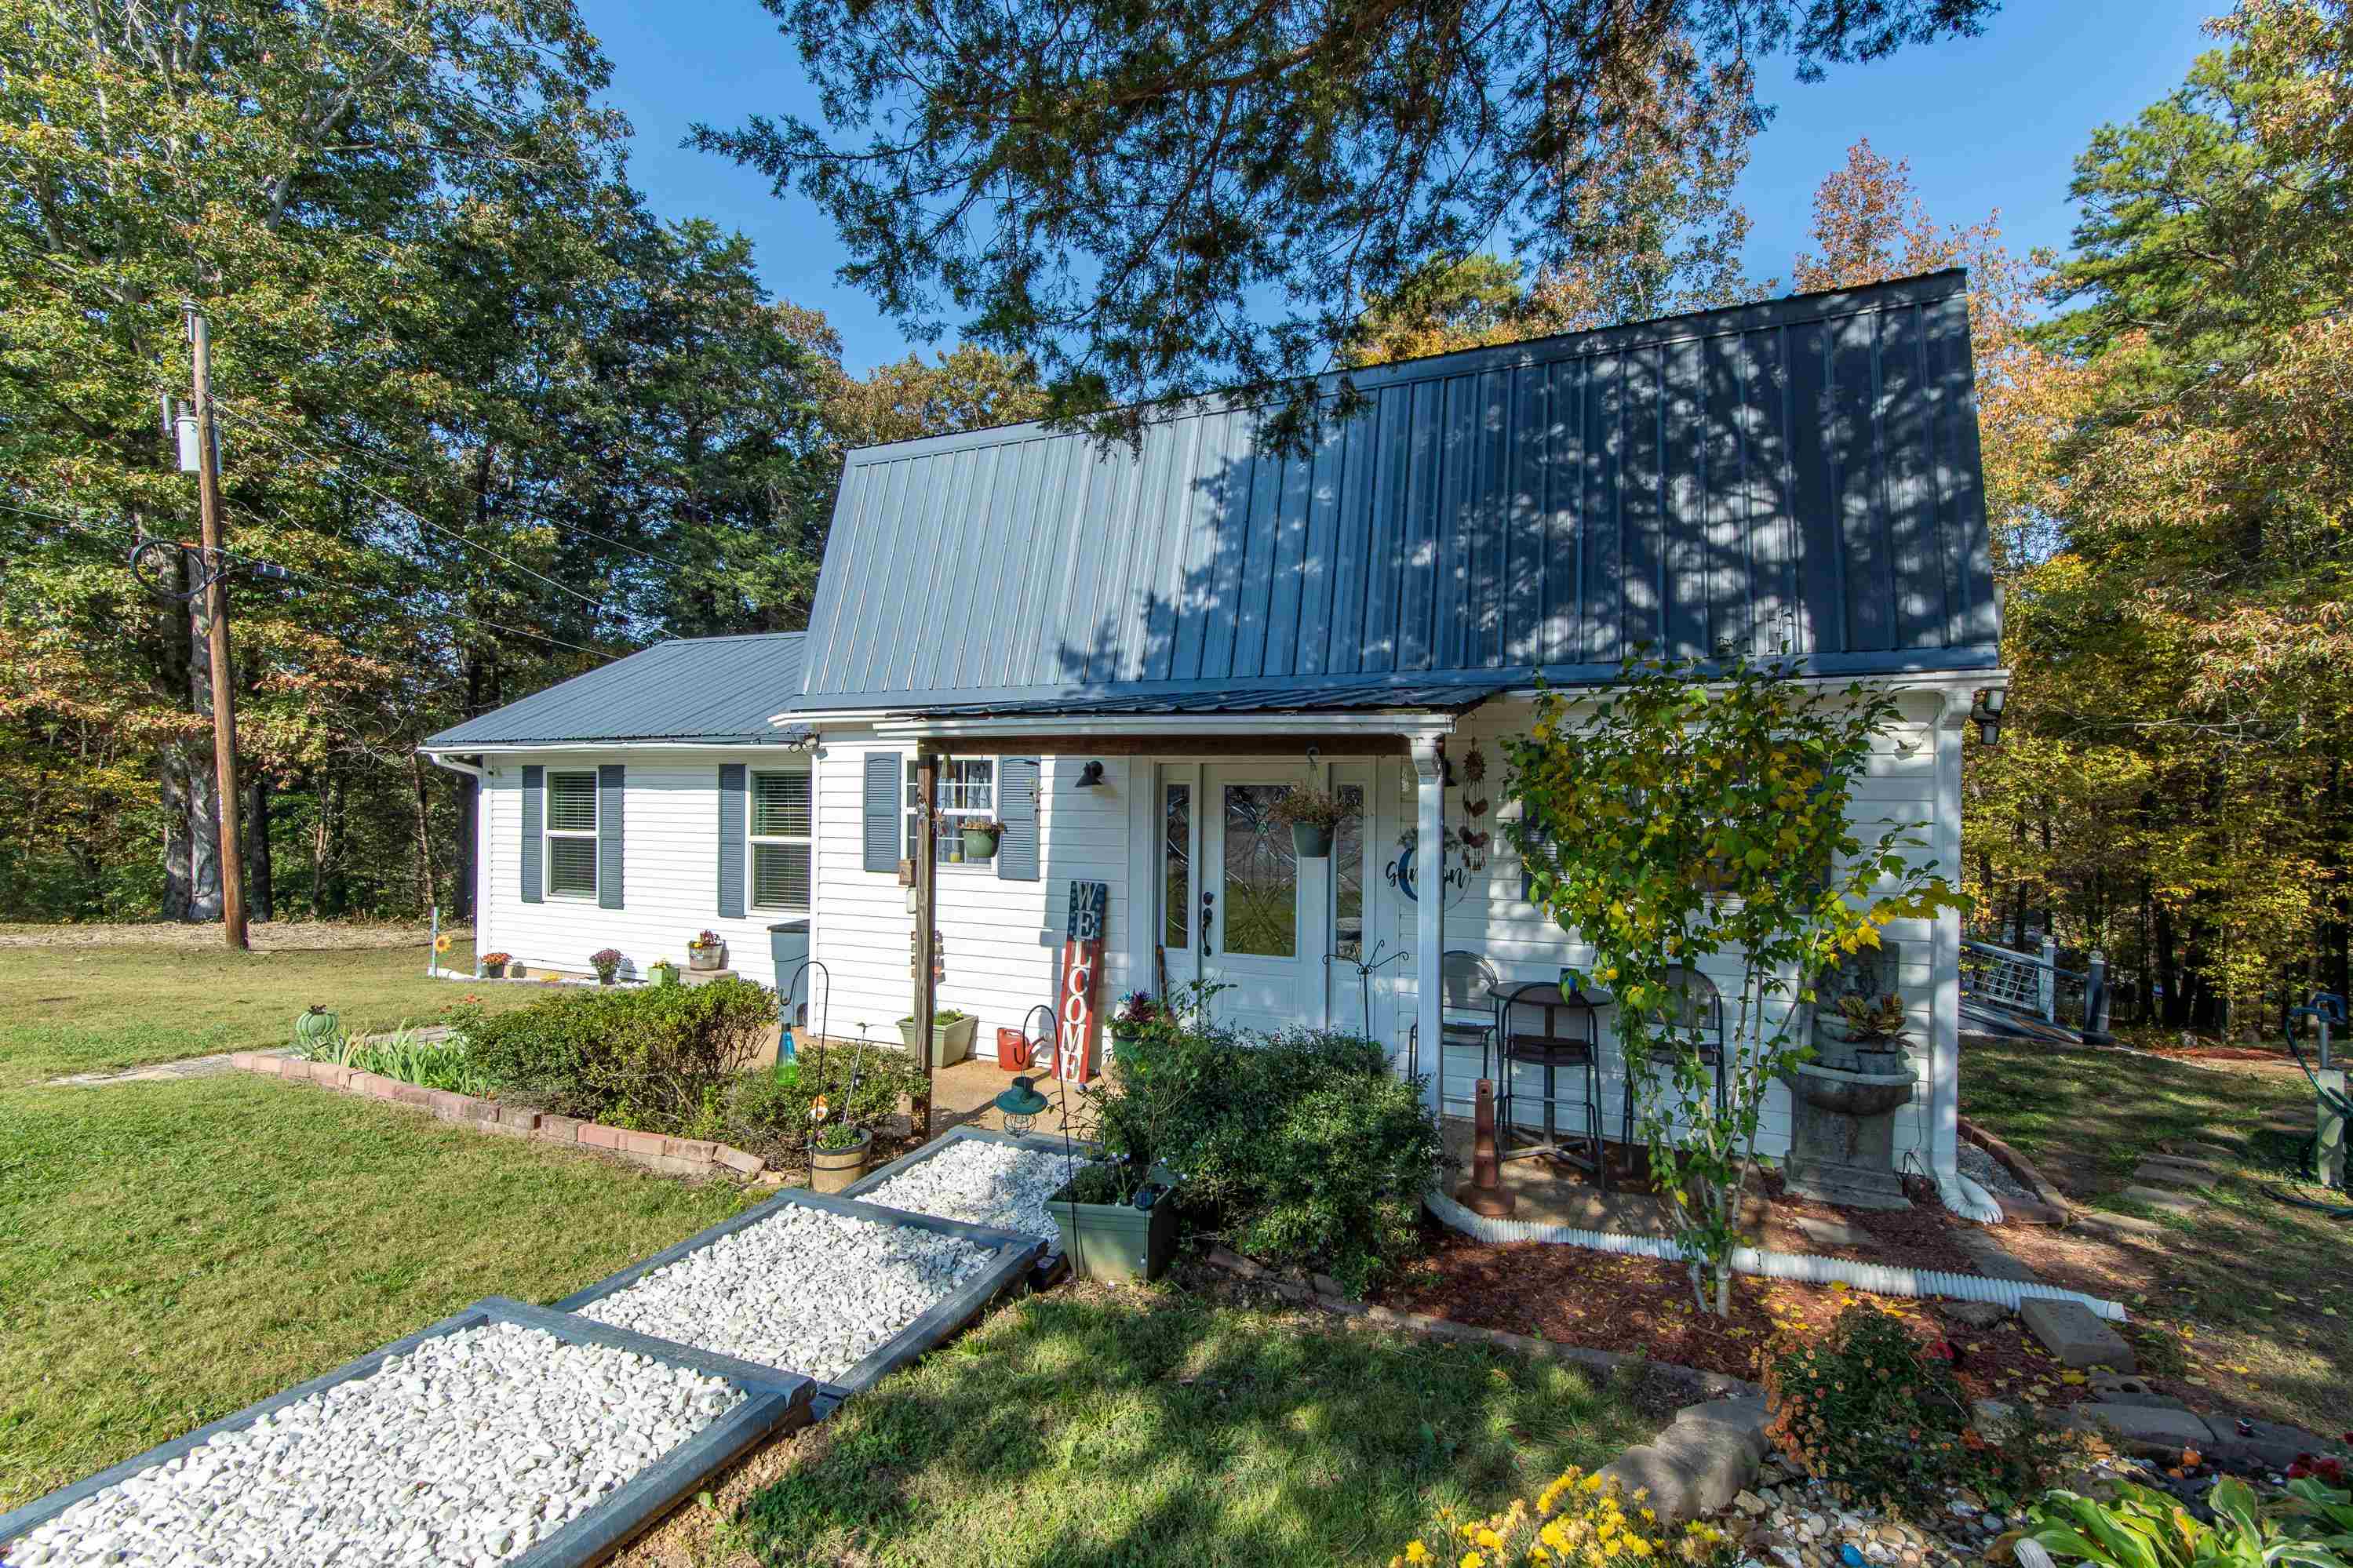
[(481, 846)]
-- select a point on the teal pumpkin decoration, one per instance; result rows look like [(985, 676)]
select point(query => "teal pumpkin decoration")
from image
[(314, 1025)]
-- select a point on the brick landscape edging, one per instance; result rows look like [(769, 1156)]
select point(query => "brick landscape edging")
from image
[(671, 1156)]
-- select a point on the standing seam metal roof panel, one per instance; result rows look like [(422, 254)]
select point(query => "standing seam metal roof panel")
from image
[(719, 690), (1801, 473)]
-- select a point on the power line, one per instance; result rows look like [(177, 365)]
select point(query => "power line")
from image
[(421, 519)]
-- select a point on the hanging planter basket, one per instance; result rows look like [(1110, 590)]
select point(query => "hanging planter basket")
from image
[(1312, 841), (980, 841)]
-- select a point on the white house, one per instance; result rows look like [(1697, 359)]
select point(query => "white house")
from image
[(1124, 655)]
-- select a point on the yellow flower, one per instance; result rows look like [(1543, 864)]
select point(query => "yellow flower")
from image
[(1592, 1483), (1488, 1539), (1415, 1552), (440, 944), (1472, 1559)]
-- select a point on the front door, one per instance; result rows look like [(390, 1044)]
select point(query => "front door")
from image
[(1268, 924)]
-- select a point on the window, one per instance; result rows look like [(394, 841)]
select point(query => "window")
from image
[(779, 825), (1176, 868), (1348, 876), (572, 834), (967, 787)]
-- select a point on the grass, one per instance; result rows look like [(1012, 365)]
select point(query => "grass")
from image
[(1094, 1427), (102, 1008), (2246, 1301), (169, 1252)]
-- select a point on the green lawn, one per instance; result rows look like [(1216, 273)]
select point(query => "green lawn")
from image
[(1100, 1427), (2246, 1301), (74, 1009)]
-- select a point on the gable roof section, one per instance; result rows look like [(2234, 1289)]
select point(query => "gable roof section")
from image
[(710, 690), (1802, 473)]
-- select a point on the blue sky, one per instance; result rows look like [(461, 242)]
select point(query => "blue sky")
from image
[(1989, 122)]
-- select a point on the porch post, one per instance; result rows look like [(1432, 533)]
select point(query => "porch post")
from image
[(1430, 911), (927, 916)]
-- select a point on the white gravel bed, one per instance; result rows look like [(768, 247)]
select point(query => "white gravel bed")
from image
[(807, 1290), (467, 1451), (1991, 1174), (981, 1183)]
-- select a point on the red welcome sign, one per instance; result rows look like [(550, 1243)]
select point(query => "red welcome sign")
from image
[(1077, 1009)]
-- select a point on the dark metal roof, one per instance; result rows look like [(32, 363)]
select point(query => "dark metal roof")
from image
[(716, 690), (1450, 697), (1802, 473)]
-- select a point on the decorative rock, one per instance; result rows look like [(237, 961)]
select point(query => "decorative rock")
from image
[(2120, 1390), (1991, 1257), (2145, 1429), (467, 1449), (806, 1290), (2070, 1332), (1831, 1232), (981, 1183), (1974, 1314), (1749, 1503), (2127, 1226)]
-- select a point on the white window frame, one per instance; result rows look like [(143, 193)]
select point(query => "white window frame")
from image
[(550, 833), (947, 842), (753, 840)]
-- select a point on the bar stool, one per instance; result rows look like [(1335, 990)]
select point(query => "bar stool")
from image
[(1466, 1017), (1697, 1011), (1569, 1036)]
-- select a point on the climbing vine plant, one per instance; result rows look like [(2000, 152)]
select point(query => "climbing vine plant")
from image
[(1698, 811)]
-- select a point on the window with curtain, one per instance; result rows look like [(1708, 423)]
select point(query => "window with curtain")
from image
[(967, 787), (571, 832), (778, 823)]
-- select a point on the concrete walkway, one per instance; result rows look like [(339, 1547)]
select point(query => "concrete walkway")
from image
[(162, 1072)]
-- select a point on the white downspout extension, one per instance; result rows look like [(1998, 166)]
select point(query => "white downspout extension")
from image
[(1945, 1027), (1430, 908), (481, 846)]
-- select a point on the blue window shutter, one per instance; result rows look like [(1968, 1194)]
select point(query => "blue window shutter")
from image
[(534, 805), (731, 841), (609, 779), (885, 776), (1017, 807)]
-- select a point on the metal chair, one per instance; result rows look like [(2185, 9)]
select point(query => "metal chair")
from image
[(1467, 985), (1567, 1037), (1699, 1013)]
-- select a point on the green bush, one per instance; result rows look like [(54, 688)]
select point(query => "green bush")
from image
[(1301, 1149), (1868, 1411), (660, 1057), (769, 1112)]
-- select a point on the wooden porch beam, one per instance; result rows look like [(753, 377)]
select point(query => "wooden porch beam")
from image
[(1373, 744)]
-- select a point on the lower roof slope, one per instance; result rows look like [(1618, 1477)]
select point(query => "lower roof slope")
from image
[(713, 690)]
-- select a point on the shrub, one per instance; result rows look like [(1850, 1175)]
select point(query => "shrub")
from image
[(1302, 1149), (1867, 1411), (1580, 1520), (659, 1056), (2144, 1528), (769, 1112)]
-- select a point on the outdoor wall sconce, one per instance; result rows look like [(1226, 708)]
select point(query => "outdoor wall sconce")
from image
[(1090, 778), (1986, 711)]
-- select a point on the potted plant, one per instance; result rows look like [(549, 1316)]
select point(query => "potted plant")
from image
[(662, 971), (980, 836), (1133, 1019), (606, 963), (1312, 813), (1114, 1216), (1874, 1025), (707, 952), (495, 965), (837, 1148), (952, 1033)]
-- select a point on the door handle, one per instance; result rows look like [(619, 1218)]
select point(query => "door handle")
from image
[(1208, 908)]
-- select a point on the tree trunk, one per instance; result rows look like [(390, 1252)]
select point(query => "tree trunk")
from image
[(172, 790), (327, 900), (203, 780), (260, 878), (428, 891)]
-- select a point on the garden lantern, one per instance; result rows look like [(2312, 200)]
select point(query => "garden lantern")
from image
[(1021, 1105)]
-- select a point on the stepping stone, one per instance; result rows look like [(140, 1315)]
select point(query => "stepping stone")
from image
[(2175, 1173), (2163, 1198), (2115, 1389), (2070, 1331), (2268, 1443), (1831, 1232), (2196, 1152), (1992, 1259), (2144, 1428), (1974, 1314), (2121, 1227)]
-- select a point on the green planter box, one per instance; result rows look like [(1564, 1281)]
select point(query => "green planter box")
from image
[(951, 1041), (1117, 1241)]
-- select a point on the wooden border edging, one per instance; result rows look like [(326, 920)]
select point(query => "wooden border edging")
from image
[(1016, 1253), (2059, 1210), (778, 1402), (654, 1151)]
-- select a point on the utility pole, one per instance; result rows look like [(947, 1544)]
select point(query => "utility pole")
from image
[(208, 503)]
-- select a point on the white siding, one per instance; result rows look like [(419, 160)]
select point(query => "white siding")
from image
[(1001, 940), (669, 865)]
